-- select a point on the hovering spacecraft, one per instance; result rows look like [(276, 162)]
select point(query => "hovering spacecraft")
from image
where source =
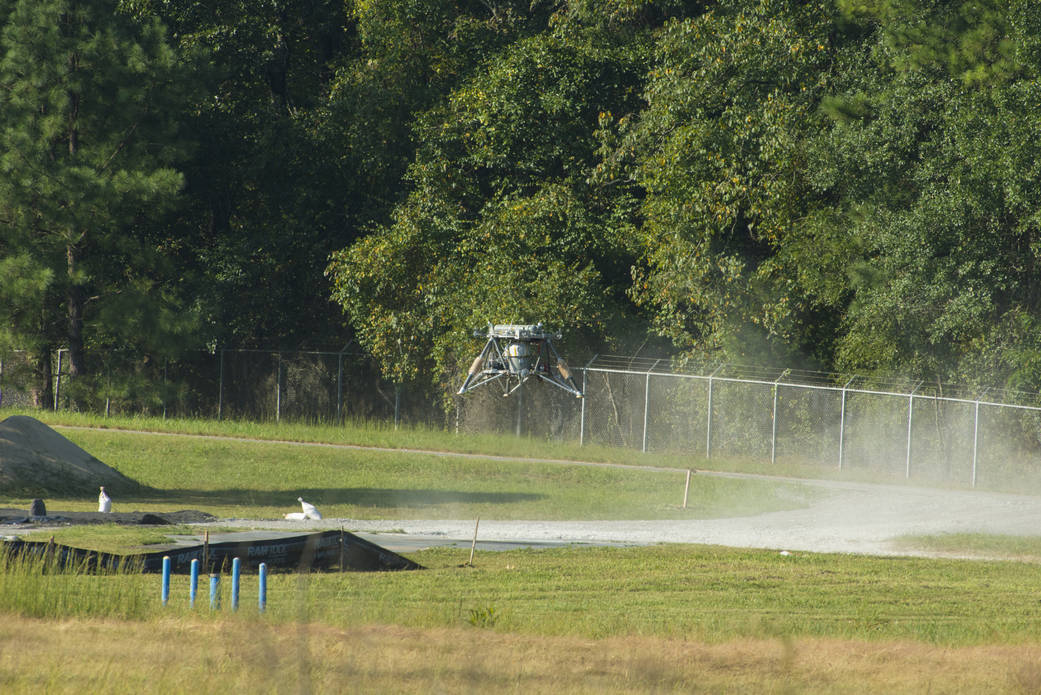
[(515, 353)]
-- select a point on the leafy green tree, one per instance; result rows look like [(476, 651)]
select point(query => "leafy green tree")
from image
[(89, 101), (267, 195), (506, 221), (719, 151), (405, 57), (305, 135), (934, 148)]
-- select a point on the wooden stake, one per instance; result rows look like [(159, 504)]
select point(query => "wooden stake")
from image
[(686, 489), (473, 546)]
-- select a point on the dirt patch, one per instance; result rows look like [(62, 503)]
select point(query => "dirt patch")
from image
[(59, 518), (36, 461)]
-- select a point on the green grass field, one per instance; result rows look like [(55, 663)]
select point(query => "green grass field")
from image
[(235, 473), (669, 618)]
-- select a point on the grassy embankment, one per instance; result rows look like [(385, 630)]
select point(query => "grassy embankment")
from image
[(257, 471), (379, 434), (661, 619)]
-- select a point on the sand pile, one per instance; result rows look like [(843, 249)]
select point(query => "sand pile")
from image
[(36, 461)]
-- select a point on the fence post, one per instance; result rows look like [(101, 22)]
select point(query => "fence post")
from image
[(842, 423), (646, 396), (339, 385), (166, 379), (582, 413), (646, 402), (278, 388), (975, 440), (220, 385), (773, 433), (910, 416), (57, 382), (397, 404), (708, 425), (773, 429), (708, 428), (582, 408), (976, 435)]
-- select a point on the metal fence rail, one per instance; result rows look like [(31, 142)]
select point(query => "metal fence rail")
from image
[(909, 429)]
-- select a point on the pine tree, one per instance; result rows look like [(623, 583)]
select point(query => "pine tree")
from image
[(89, 99)]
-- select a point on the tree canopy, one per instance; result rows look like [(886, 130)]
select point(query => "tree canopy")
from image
[(846, 185)]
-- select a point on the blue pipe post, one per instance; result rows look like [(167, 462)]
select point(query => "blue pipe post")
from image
[(193, 587), (262, 592), (236, 569), (166, 579), (214, 592)]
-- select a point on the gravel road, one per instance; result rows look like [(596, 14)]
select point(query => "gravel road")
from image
[(850, 518)]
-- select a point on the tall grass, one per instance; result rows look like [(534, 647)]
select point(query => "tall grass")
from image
[(42, 585), (699, 593), (706, 594), (190, 656)]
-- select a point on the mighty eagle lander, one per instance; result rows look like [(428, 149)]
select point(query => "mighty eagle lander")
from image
[(513, 354)]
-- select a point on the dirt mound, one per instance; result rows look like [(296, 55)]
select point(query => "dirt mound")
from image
[(36, 461)]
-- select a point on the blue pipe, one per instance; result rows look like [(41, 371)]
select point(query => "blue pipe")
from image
[(263, 587), (166, 579), (236, 566), (214, 592), (193, 587)]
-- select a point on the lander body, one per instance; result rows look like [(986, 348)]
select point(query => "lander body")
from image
[(516, 353)]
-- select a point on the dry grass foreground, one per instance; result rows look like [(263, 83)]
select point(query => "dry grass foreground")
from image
[(250, 655)]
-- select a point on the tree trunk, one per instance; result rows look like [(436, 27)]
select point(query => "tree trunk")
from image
[(75, 292), (74, 303), (42, 390)]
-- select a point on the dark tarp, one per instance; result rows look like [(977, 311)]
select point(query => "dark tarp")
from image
[(328, 550)]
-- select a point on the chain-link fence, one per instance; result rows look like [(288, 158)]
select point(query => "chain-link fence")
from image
[(17, 381), (234, 384), (911, 430)]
